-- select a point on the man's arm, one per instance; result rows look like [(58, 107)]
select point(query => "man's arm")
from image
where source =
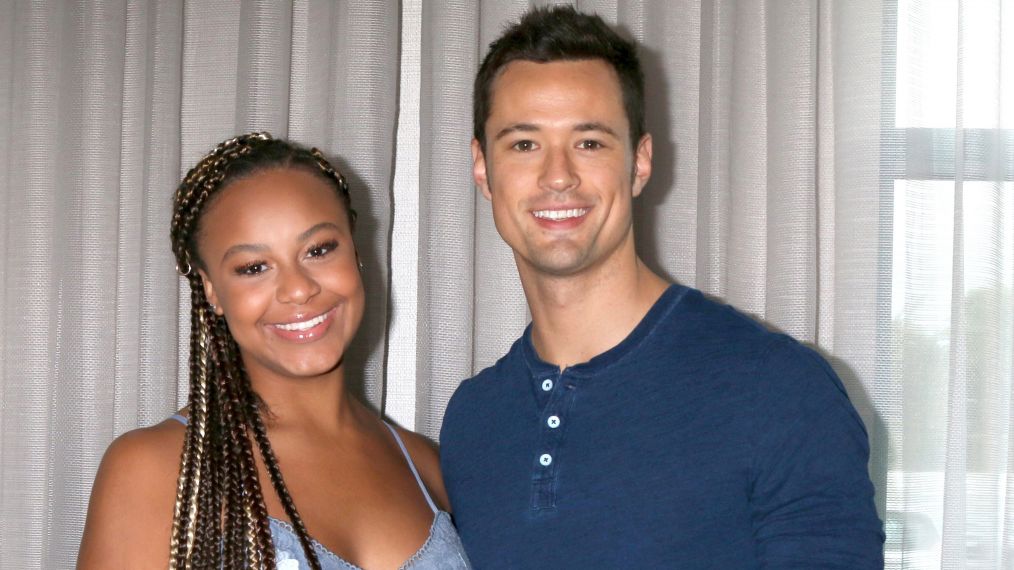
[(812, 498)]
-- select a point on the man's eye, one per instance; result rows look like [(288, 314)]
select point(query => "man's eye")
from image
[(322, 249), (255, 268), (524, 146), (590, 144)]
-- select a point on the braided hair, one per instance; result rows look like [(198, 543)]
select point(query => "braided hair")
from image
[(220, 518)]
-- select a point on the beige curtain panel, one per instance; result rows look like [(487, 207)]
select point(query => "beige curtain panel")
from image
[(843, 170)]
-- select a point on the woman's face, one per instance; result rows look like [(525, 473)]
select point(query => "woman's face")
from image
[(281, 267)]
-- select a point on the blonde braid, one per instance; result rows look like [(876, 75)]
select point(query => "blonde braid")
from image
[(185, 509), (219, 517)]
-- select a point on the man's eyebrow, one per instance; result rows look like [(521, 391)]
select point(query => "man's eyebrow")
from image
[(515, 128), (580, 127), (594, 126)]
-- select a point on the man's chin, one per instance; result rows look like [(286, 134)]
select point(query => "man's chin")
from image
[(562, 263)]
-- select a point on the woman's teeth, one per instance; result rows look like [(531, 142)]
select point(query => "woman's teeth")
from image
[(305, 325)]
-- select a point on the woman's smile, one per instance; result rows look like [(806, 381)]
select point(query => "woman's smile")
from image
[(307, 330)]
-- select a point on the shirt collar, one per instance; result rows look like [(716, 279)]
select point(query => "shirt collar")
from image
[(665, 303)]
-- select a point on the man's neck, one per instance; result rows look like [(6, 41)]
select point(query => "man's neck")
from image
[(576, 318)]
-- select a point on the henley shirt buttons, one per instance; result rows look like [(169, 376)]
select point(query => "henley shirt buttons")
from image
[(547, 385), (545, 459), (553, 422)]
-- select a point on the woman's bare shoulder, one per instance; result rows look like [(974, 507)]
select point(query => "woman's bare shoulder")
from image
[(145, 454), (427, 462), (155, 444), (131, 508)]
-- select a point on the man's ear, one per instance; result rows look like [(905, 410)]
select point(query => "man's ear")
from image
[(642, 164), (479, 173), (209, 292)]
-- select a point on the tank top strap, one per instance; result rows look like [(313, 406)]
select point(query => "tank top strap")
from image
[(401, 445), (411, 465)]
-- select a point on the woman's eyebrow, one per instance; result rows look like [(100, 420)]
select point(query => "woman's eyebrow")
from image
[(259, 247), (316, 228)]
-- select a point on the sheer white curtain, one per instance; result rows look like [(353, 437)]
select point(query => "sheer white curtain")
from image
[(948, 144), (841, 170)]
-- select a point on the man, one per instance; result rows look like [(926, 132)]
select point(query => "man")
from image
[(635, 424)]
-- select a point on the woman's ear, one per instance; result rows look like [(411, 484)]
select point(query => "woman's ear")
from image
[(209, 292)]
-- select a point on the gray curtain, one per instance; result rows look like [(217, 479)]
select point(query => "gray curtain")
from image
[(841, 170)]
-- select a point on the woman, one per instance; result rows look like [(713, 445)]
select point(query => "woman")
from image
[(272, 464)]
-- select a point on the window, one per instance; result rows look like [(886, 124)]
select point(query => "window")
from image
[(947, 163)]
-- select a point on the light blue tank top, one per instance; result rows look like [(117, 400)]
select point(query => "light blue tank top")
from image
[(441, 551)]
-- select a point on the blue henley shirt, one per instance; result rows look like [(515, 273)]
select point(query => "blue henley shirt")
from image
[(700, 441)]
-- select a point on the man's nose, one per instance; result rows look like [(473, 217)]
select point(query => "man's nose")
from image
[(558, 173)]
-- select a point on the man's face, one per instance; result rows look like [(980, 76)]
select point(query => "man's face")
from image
[(558, 166)]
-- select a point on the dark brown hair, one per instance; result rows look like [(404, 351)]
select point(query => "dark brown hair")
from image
[(561, 34), (220, 518)]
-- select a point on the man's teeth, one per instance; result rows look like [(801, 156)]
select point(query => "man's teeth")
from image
[(305, 325), (560, 214)]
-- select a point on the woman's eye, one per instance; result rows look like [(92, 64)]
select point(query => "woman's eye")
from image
[(255, 268), (320, 250), (524, 146)]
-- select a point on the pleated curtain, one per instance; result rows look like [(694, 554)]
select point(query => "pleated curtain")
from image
[(809, 170)]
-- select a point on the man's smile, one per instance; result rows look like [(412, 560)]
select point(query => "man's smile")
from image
[(560, 214)]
